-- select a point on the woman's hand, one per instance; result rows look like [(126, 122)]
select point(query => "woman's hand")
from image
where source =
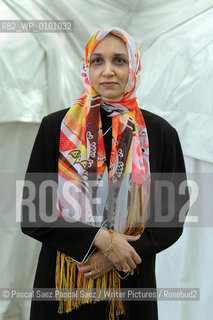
[(96, 266), (123, 255)]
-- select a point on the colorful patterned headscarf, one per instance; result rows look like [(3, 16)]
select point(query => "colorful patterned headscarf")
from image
[(122, 191), (134, 62)]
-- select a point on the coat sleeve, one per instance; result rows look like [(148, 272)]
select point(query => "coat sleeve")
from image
[(74, 239), (164, 225)]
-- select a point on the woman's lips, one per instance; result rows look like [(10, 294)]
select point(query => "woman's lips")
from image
[(108, 84)]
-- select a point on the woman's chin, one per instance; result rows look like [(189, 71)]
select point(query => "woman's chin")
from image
[(110, 96)]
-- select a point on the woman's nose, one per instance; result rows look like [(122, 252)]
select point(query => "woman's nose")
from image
[(108, 69)]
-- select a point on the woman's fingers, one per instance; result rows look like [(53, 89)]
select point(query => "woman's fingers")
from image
[(123, 254), (136, 257), (104, 266), (84, 268), (131, 264), (125, 264)]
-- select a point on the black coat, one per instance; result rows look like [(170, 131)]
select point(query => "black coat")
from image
[(165, 156)]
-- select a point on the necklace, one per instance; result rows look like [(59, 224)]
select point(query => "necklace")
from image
[(107, 130)]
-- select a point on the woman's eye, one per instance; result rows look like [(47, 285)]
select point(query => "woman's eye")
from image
[(120, 60), (96, 61)]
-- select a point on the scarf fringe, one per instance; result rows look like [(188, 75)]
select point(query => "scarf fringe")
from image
[(70, 282), (135, 222)]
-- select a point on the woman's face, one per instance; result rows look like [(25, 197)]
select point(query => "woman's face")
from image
[(109, 67)]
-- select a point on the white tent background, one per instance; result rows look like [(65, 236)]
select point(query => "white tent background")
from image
[(40, 73)]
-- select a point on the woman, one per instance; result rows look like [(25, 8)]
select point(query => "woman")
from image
[(104, 149)]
